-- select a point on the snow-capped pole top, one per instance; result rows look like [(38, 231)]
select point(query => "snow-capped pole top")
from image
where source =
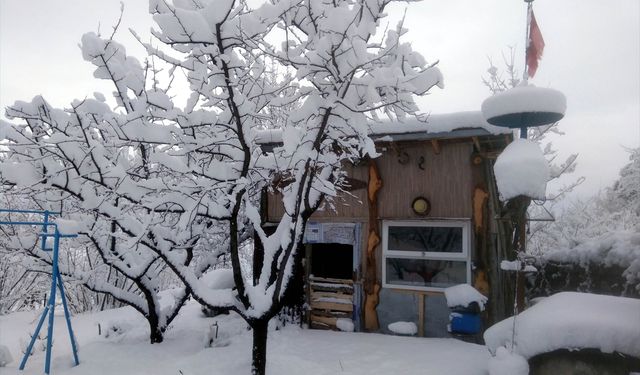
[(524, 106), (521, 169)]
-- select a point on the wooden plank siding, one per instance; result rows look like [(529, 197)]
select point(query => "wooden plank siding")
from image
[(446, 181)]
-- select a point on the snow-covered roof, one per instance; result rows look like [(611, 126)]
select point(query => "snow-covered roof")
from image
[(435, 126), (572, 321)]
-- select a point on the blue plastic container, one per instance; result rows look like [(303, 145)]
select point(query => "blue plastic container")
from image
[(466, 323)]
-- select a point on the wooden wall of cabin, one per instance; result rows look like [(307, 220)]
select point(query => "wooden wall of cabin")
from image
[(408, 170)]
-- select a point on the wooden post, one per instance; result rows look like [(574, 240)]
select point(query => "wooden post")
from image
[(421, 315), (371, 284)]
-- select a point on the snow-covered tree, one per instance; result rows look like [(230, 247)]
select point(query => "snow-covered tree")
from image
[(75, 161), (336, 75), (317, 71), (596, 242)]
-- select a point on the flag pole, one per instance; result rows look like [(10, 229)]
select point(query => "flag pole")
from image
[(525, 74)]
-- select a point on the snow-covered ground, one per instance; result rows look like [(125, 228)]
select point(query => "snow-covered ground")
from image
[(291, 350)]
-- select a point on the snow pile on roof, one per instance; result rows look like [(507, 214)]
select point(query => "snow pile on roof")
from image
[(521, 169), (437, 123), (524, 99), (507, 363), (463, 295), (433, 124), (221, 278), (403, 328), (610, 249), (572, 321)]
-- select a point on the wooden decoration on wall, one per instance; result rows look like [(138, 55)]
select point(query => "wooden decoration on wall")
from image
[(371, 284), (480, 197)]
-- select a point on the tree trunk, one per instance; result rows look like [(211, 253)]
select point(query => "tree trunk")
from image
[(156, 335), (259, 354)]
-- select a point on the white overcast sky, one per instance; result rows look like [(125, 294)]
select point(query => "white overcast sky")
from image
[(592, 54)]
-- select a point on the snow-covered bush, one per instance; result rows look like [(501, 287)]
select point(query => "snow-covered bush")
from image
[(593, 245)]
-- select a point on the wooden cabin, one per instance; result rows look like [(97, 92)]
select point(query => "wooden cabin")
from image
[(418, 219)]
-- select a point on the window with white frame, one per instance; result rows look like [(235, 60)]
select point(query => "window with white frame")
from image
[(425, 255)]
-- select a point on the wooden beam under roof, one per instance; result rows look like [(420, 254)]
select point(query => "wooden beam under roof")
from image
[(436, 146)]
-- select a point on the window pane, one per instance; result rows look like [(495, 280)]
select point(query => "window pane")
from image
[(431, 239), (425, 272)]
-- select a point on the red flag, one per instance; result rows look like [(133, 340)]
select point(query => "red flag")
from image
[(535, 46)]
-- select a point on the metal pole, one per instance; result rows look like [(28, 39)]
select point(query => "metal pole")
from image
[(45, 229), (33, 338), (52, 300), (525, 72), (68, 319)]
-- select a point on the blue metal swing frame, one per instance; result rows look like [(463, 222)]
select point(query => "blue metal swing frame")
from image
[(56, 283)]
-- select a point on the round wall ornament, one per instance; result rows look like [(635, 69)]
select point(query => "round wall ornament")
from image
[(421, 206)]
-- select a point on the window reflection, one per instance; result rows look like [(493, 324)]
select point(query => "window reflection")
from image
[(428, 239), (425, 272)]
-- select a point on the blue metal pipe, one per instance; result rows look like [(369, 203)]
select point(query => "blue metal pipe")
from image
[(67, 316), (59, 235), (45, 228), (31, 211), (52, 303), (33, 338)]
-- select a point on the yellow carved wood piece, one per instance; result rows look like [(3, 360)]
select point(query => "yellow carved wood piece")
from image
[(375, 183), (371, 317), (436, 146), (372, 242), (480, 282), (480, 196)]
